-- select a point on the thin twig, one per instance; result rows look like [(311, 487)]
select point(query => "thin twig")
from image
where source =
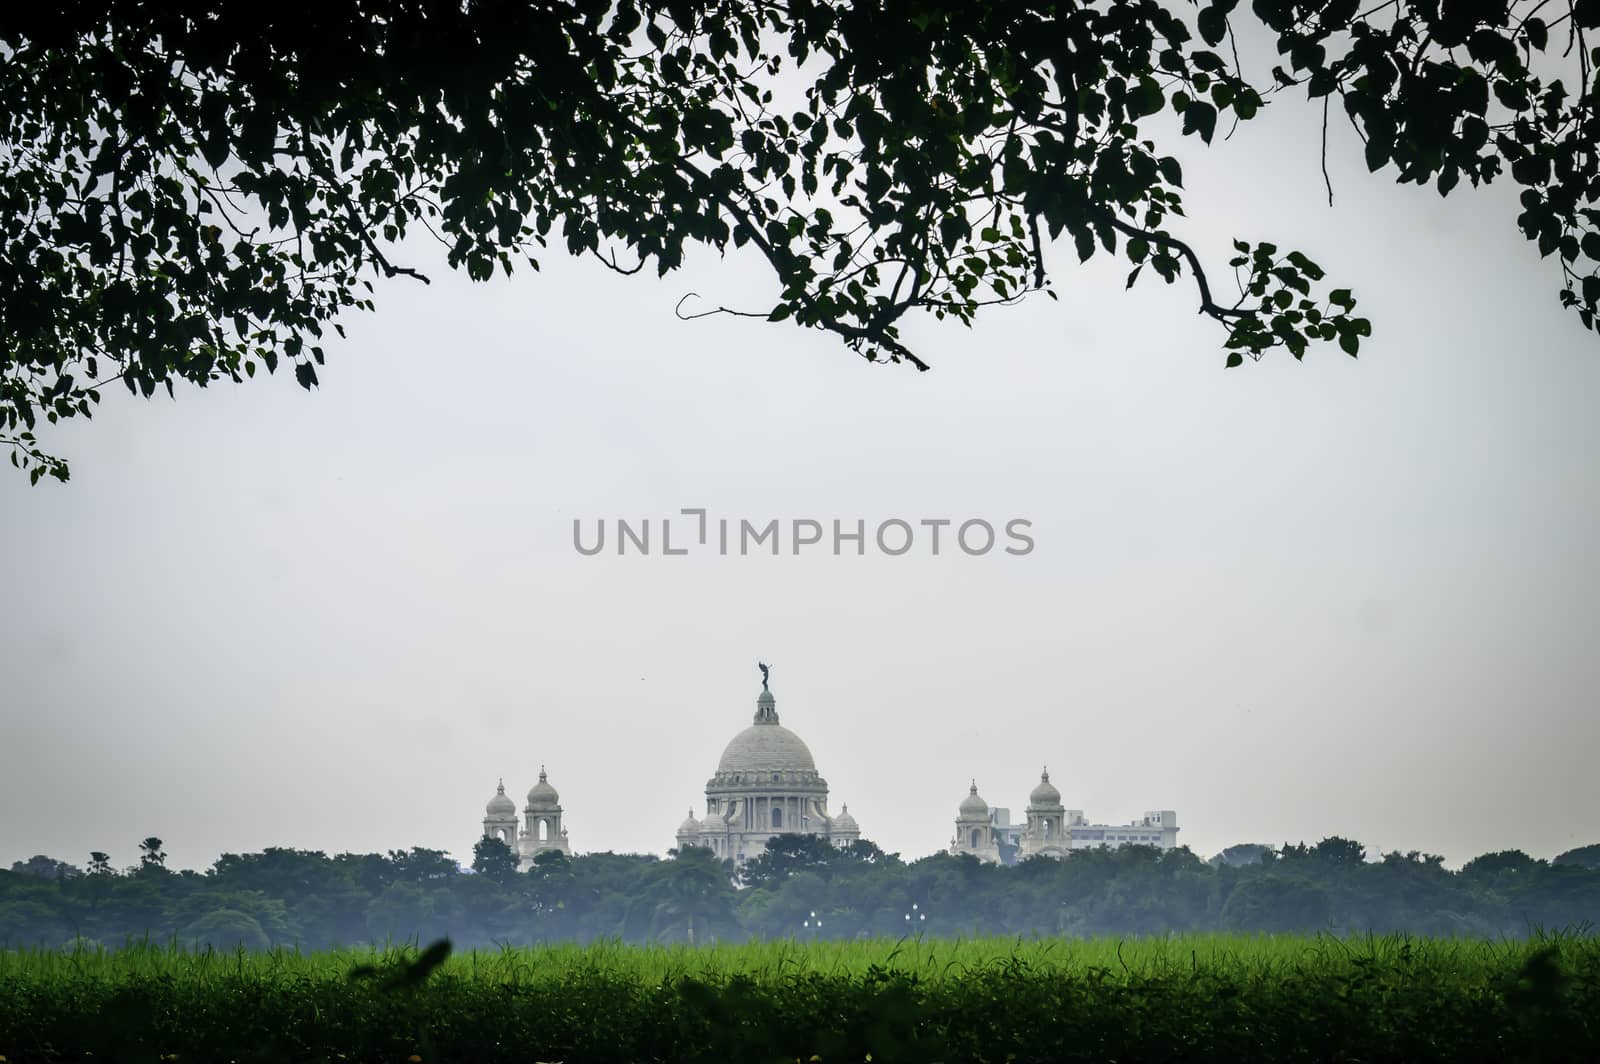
[(1326, 180), (678, 310)]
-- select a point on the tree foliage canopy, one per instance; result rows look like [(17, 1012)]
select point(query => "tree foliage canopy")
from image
[(312, 899), (189, 194)]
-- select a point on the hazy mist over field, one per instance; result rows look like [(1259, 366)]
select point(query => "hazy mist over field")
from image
[(1288, 600)]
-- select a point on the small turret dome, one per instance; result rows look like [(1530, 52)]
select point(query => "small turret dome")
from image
[(541, 795), (766, 708), (690, 825), (1045, 794), (972, 806), (501, 806), (844, 823)]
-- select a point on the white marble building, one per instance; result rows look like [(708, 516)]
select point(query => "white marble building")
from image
[(541, 828), (766, 784), (1050, 830)]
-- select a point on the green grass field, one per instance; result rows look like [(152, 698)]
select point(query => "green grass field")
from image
[(1186, 998)]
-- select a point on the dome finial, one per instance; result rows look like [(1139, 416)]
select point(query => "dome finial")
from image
[(502, 786), (541, 773), (1044, 795), (974, 786)]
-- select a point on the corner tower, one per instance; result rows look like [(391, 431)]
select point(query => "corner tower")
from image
[(500, 818), (1047, 833), (542, 830), (975, 829)]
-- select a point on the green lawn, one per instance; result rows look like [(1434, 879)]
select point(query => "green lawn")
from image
[(1208, 997)]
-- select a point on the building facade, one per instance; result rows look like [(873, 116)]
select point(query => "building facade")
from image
[(766, 784), (1049, 829), (1158, 828)]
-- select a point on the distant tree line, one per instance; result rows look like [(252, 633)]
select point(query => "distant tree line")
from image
[(801, 887)]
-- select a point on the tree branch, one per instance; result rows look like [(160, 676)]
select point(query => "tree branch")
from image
[(1208, 305)]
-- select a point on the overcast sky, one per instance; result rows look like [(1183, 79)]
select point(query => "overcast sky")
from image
[(1288, 601)]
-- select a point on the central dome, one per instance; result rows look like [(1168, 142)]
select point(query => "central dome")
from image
[(766, 785), (766, 748)]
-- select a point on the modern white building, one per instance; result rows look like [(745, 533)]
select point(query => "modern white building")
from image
[(541, 829), (1157, 828), (766, 784), (1006, 834), (1049, 830)]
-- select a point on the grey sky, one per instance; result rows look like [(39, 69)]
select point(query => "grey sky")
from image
[(1287, 600)]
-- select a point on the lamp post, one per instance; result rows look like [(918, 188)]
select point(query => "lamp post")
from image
[(915, 919), (813, 924)]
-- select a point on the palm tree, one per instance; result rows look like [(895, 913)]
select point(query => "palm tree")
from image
[(696, 886), (151, 857)]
